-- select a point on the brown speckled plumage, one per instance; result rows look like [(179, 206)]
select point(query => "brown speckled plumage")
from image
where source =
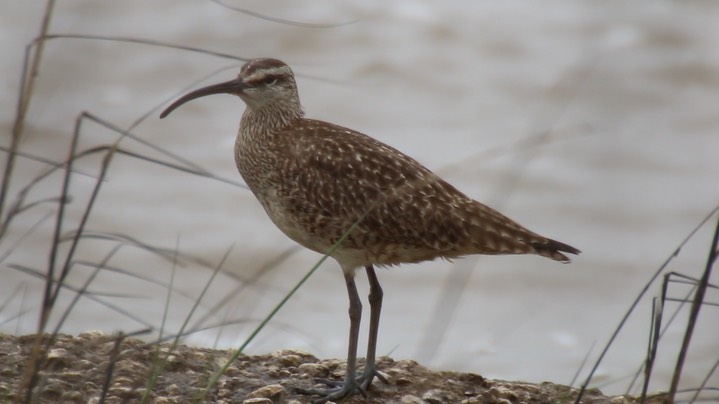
[(316, 179), (334, 176)]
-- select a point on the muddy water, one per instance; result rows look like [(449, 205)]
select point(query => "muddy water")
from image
[(618, 103)]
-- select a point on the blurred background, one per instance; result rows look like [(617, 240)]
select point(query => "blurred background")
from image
[(594, 123)]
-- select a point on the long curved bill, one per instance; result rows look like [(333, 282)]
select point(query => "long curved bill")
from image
[(229, 87)]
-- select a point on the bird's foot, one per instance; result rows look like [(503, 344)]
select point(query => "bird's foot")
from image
[(339, 390), (365, 377)]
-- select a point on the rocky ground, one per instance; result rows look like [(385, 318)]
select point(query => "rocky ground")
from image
[(77, 370)]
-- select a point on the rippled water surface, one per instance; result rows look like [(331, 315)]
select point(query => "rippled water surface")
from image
[(594, 123)]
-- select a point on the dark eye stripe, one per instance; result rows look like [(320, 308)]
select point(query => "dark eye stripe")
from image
[(266, 80)]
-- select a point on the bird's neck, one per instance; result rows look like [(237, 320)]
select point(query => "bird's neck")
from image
[(269, 118)]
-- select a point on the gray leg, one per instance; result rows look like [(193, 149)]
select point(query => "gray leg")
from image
[(350, 386), (355, 314), (375, 301)]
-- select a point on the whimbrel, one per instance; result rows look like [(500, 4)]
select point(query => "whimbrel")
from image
[(318, 181)]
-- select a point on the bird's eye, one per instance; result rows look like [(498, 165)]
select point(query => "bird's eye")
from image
[(269, 81)]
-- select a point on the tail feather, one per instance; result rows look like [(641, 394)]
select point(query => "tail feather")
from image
[(553, 249)]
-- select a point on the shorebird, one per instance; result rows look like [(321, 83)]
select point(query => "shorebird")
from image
[(364, 203)]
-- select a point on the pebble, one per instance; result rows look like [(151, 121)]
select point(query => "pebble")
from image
[(257, 400), (273, 391), (314, 369), (436, 396)]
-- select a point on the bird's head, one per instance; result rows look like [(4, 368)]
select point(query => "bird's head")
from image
[(261, 83)]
